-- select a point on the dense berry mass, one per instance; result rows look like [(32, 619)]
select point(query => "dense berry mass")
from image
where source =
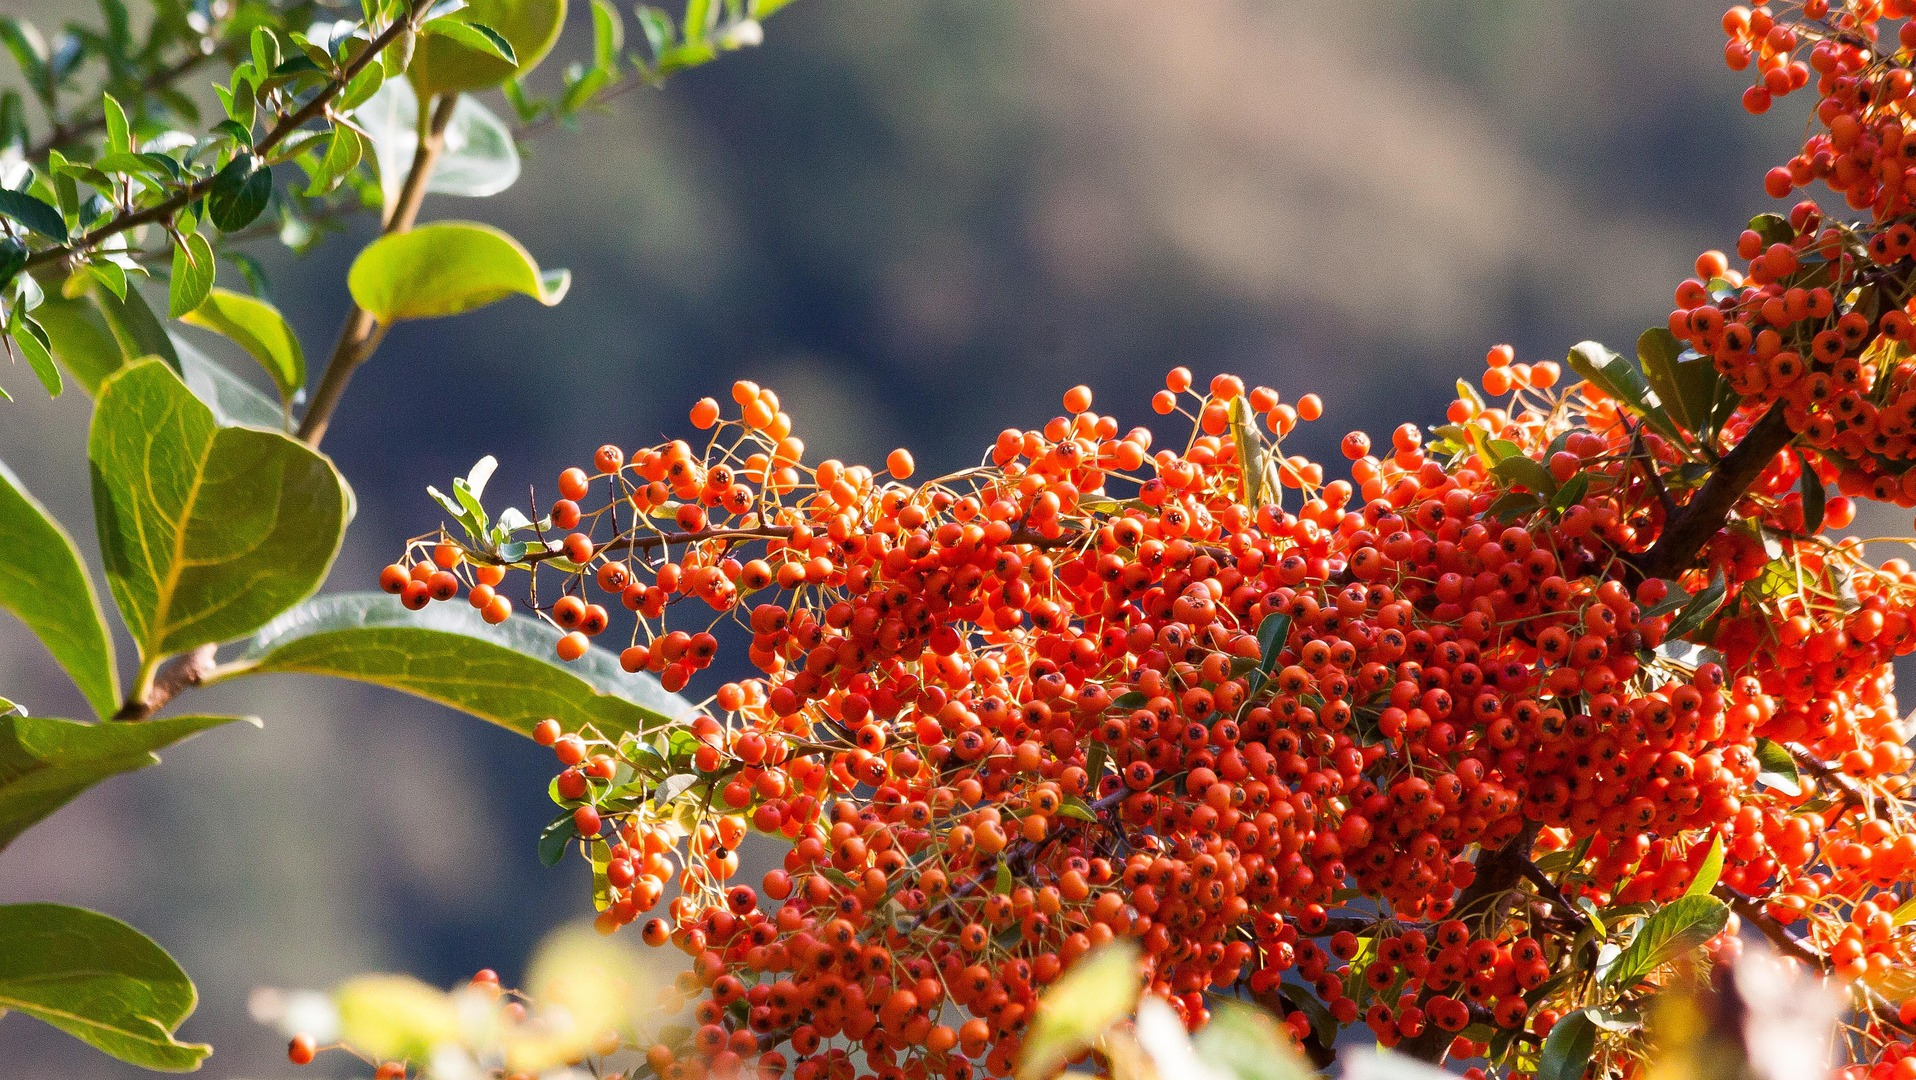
[(1396, 744)]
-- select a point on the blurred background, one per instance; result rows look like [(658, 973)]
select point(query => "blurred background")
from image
[(920, 221)]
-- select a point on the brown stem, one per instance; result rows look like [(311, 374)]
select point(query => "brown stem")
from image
[(1498, 871), (186, 669), (1852, 791), (360, 335), (282, 131), (1699, 519)]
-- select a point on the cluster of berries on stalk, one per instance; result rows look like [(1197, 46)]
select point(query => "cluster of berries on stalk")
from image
[(1387, 748)]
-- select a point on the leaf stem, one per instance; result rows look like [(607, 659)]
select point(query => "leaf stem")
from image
[(360, 334)]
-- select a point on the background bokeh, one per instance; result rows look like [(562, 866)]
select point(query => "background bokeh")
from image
[(920, 221)]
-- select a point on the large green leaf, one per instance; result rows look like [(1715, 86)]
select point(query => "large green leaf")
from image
[(445, 268), (207, 531), (45, 583), (1675, 929), (99, 980), (1566, 1053), (507, 673), (87, 343), (259, 328), (442, 65), (478, 159), (46, 761)]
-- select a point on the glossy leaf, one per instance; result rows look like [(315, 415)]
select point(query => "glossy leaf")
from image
[(478, 37), (259, 328), (1674, 929), (1710, 872), (207, 531), (1566, 1051), (1684, 382), (1620, 379), (1814, 497), (446, 268), (1776, 768), (99, 980), (44, 582), (507, 674), (240, 191), (1272, 634), (194, 269), (441, 64), (31, 340), (34, 214), (46, 761)]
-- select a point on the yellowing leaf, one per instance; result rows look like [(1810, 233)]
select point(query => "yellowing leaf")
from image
[(393, 1017), (445, 268), (1099, 990)]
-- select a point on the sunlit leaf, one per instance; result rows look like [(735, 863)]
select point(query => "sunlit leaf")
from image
[(446, 268)]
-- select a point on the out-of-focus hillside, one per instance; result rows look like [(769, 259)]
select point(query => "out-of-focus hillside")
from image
[(919, 220)]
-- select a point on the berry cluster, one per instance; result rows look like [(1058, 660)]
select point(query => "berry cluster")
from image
[(1304, 739)]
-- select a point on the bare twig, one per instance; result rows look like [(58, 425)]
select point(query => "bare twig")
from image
[(186, 669), (360, 335)]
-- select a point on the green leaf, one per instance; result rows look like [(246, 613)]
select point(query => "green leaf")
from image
[(1622, 380), (608, 35), (1686, 387), (32, 341), (1099, 990), (82, 339), (1004, 881), (1250, 452), (1519, 469), (1710, 872), (443, 65), (34, 214), (99, 980), (1813, 496), (134, 325), (1776, 768), (194, 270), (395, 1016), (446, 268), (479, 157), (1323, 1024), (13, 258), (207, 531), (261, 330), (475, 36), (119, 135), (1567, 1050), (1675, 929), (240, 191), (1697, 611), (555, 837), (44, 583), (1241, 1042), (1272, 633), (46, 761), (507, 674), (343, 151)]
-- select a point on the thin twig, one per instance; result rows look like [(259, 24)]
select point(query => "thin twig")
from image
[(284, 130), (361, 333), (62, 132)]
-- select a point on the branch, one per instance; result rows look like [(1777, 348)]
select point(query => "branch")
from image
[(1699, 519), (284, 130), (186, 669), (1852, 791), (360, 335)]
